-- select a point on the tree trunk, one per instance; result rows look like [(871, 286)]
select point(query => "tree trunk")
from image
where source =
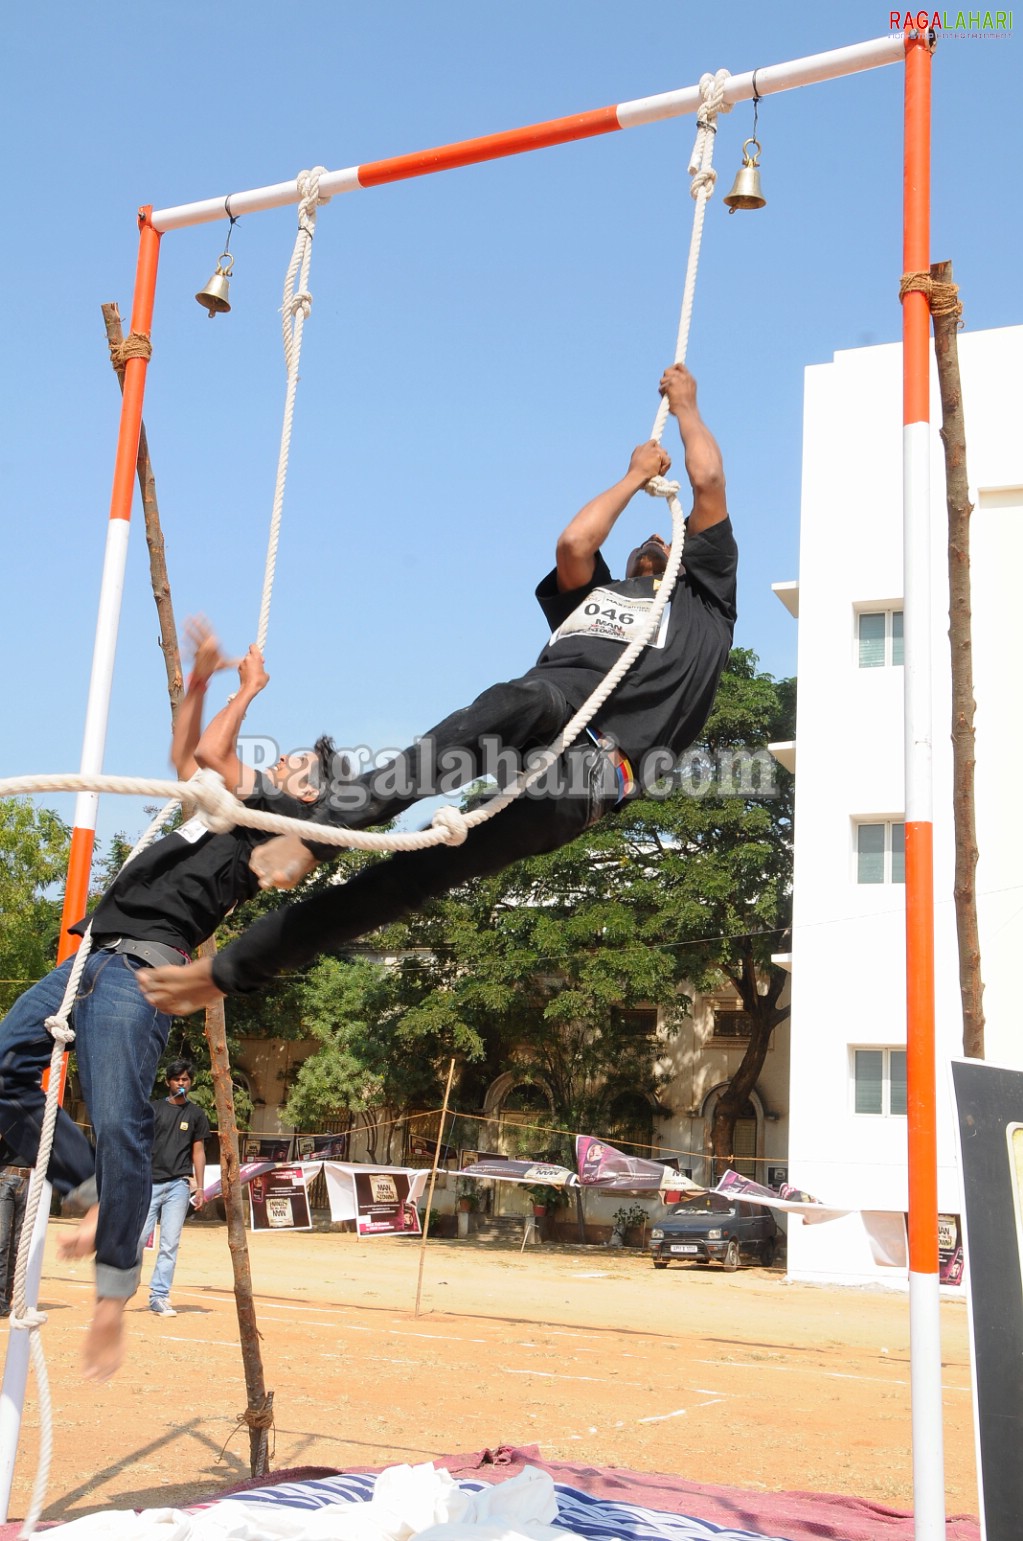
[(765, 1015), (257, 1415), (953, 437)]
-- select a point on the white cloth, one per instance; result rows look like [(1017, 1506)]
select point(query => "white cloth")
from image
[(407, 1501)]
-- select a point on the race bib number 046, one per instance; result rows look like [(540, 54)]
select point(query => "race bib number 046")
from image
[(603, 613)]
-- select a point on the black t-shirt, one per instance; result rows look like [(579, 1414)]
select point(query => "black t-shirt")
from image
[(180, 888), (177, 1128), (665, 697)]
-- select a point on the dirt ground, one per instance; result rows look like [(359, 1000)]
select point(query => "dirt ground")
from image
[(740, 1379)]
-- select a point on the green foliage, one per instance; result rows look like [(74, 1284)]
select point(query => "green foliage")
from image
[(34, 846), (625, 1218), (526, 972)]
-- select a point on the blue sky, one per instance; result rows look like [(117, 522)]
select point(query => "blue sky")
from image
[(484, 346)]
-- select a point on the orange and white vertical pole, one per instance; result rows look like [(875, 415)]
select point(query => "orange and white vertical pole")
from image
[(924, 1294), (98, 708), (76, 893)]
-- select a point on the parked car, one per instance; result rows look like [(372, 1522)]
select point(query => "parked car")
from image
[(709, 1228)]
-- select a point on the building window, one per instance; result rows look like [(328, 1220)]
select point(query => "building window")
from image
[(881, 852), (635, 1022), (879, 1082), (732, 1022), (879, 639)]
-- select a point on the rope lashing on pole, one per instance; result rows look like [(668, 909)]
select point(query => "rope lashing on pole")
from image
[(942, 298), (298, 302), (135, 345)]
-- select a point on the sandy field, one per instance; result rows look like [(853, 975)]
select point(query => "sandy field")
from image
[(741, 1379)]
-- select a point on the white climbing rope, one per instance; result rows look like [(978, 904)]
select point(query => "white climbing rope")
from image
[(298, 302), (23, 1316), (701, 187)]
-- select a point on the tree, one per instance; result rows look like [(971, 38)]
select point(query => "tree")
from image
[(34, 845), (721, 886), (528, 971)]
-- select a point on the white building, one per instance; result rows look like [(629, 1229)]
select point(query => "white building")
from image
[(847, 1131)]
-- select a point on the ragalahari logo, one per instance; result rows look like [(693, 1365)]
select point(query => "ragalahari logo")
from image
[(952, 23)]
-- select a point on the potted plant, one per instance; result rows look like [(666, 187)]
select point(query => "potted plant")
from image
[(544, 1197), (468, 1198), (624, 1220)]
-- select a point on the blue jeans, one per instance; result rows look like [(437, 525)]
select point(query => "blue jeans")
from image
[(169, 1204), (118, 1041), (13, 1199)]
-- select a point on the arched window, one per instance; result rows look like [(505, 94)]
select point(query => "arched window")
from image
[(526, 1097)]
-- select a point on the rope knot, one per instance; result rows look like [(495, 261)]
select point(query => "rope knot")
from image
[(301, 303), (261, 1417), (215, 804), (452, 823), (660, 487), (58, 1029), (308, 184), (30, 1320), (712, 89), (942, 298), (135, 345), (704, 178)]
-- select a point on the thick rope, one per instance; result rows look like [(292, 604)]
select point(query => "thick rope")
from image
[(23, 1316), (297, 304), (135, 345), (942, 296)]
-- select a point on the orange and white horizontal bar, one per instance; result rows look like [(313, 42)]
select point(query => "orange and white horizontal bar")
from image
[(537, 136)]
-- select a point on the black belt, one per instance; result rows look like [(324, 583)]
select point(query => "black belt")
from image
[(153, 953)]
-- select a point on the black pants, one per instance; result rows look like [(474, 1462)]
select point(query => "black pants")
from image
[(509, 719), (291, 936)]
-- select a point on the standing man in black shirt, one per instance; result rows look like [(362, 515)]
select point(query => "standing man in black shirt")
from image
[(157, 910), (655, 714), (179, 1170)]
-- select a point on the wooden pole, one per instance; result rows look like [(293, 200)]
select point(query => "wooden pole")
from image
[(258, 1412), (433, 1179), (154, 531), (258, 1415), (945, 313)]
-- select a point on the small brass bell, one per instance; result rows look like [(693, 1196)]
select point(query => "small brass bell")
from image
[(746, 193), (214, 295)]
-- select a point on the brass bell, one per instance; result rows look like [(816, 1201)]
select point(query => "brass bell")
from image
[(214, 295), (746, 193)]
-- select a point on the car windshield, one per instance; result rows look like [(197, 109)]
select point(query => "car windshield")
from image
[(704, 1204)]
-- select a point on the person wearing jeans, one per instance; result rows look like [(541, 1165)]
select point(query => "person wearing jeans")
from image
[(14, 1181), (179, 1169), (158, 910)]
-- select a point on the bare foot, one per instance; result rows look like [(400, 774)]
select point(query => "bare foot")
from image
[(103, 1345), (82, 1241)]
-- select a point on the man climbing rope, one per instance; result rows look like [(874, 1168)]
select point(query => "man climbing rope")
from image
[(653, 717), (158, 909)]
